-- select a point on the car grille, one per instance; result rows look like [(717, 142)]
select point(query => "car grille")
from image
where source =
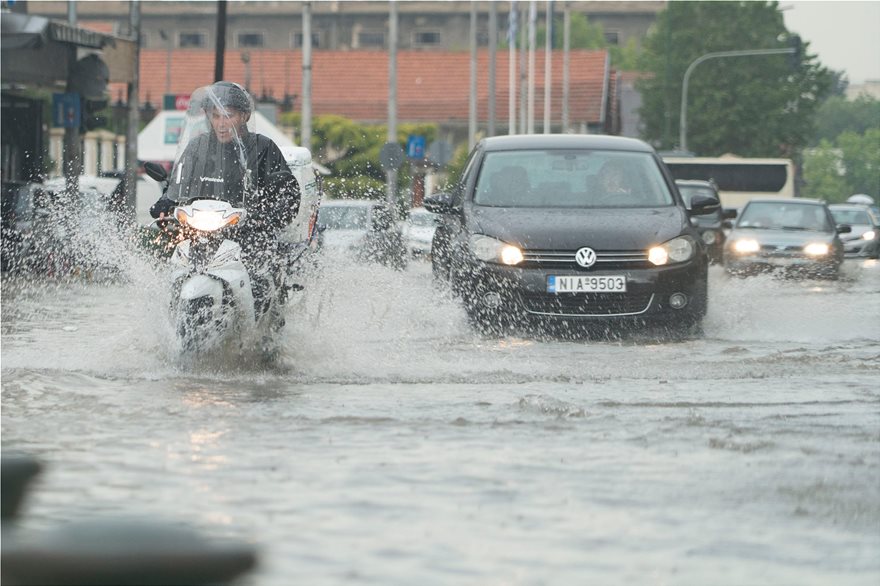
[(772, 249), (605, 259), (587, 304)]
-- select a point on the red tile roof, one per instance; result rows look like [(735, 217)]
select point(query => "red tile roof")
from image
[(431, 86)]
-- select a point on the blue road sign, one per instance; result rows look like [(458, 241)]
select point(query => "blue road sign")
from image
[(65, 110), (415, 146)]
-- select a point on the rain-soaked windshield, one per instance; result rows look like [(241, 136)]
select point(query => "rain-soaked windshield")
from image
[(211, 161), (570, 179), (785, 216)]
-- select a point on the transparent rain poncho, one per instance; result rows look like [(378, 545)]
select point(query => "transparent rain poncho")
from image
[(212, 156)]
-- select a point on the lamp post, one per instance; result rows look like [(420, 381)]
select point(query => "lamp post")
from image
[(682, 128)]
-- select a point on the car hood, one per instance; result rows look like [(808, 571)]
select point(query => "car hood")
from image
[(782, 237), (568, 228), (342, 239)]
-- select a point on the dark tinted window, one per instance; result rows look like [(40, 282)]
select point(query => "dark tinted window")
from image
[(735, 177)]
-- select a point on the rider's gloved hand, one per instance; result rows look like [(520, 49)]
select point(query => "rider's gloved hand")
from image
[(162, 207)]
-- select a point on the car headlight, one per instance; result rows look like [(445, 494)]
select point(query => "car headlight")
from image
[(816, 249), (489, 249), (709, 236), (746, 246), (869, 235), (676, 250)]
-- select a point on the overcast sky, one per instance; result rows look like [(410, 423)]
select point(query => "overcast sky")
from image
[(844, 34)]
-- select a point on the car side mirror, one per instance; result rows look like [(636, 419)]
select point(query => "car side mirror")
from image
[(440, 203), (844, 228), (155, 171), (729, 213), (704, 204)]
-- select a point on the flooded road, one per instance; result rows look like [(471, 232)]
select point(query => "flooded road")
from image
[(392, 445)]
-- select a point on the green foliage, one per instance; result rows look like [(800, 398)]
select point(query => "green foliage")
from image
[(351, 151), (836, 170), (751, 106), (837, 115), (455, 169)]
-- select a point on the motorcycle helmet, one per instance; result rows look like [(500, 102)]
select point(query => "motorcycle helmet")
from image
[(228, 94)]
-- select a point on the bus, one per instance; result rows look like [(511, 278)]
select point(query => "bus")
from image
[(738, 179)]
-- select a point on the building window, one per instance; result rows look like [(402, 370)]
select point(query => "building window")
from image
[(249, 40), (191, 39), (482, 38), (371, 39), (612, 37), (297, 40), (426, 38)]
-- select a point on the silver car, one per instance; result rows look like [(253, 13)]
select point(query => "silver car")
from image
[(791, 237), (864, 238)]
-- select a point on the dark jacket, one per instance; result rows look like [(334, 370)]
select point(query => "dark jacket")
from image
[(209, 169)]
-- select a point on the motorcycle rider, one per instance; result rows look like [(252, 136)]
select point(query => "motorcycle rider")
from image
[(239, 166)]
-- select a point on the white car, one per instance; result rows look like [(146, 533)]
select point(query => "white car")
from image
[(418, 230)]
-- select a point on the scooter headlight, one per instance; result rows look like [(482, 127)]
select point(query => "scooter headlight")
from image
[(676, 250), (489, 249), (207, 220)]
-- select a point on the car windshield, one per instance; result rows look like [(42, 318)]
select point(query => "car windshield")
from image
[(784, 216), (570, 179), (343, 217), (851, 216), (689, 191)]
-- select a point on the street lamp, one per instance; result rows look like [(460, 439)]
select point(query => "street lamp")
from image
[(682, 129)]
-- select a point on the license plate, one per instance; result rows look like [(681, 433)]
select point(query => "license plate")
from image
[(586, 284)]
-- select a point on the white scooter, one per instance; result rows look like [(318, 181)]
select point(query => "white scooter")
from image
[(212, 302)]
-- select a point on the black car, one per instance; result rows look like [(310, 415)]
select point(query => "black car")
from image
[(710, 226), (788, 237), (570, 229)]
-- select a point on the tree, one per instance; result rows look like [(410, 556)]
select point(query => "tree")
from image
[(750, 106), (837, 115), (351, 151), (835, 170)]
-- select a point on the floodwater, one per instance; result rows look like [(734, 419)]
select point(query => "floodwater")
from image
[(393, 445)]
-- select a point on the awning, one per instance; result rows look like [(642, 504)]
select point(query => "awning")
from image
[(35, 51), (25, 31)]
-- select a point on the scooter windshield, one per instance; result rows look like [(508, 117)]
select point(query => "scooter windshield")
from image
[(212, 153)]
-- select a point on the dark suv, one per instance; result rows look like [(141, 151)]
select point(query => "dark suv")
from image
[(710, 226), (571, 229)]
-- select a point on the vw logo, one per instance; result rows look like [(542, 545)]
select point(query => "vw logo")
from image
[(586, 257)]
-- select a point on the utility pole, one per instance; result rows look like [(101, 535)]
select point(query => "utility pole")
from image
[(131, 136), (493, 45), (220, 45), (548, 64), (391, 176), (472, 93), (566, 49), (511, 69), (72, 146), (682, 128), (306, 132), (533, 22)]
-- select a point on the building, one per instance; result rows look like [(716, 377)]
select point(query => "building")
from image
[(341, 26)]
